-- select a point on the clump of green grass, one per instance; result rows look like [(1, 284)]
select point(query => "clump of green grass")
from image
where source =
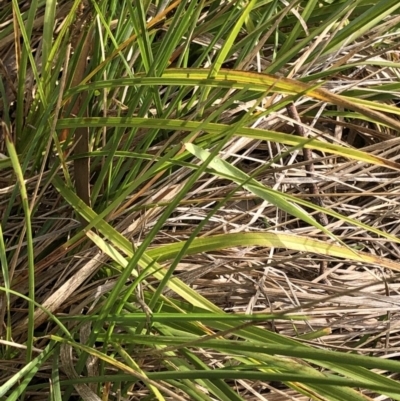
[(199, 200)]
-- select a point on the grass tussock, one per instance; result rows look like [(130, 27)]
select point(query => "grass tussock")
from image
[(199, 200)]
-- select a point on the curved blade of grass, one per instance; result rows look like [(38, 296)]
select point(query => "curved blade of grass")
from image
[(280, 199), (275, 197), (271, 240), (251, 81), (216, 128)]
